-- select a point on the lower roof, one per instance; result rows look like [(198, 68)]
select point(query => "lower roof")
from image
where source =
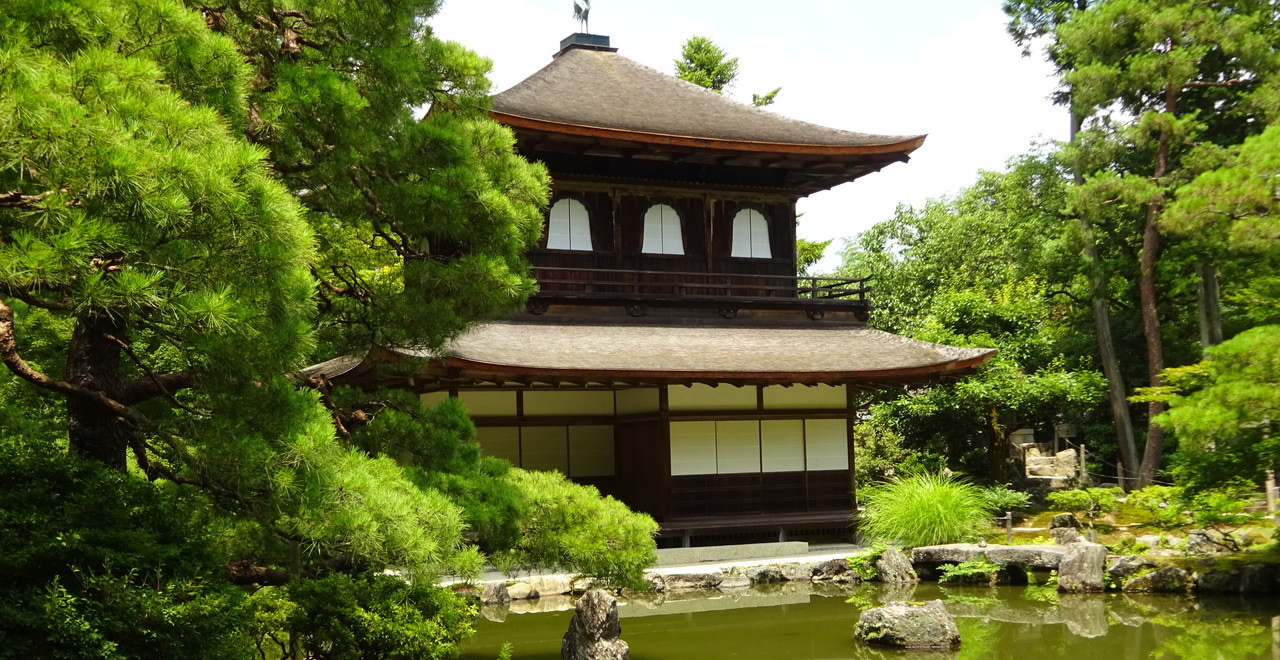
[(516, 352)]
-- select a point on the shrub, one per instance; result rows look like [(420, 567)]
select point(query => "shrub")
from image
[(1004, 498), (1162, 503), (1089, 502), (571, 527), (974, 571), (361, 616), (924, 509), (99, 564)]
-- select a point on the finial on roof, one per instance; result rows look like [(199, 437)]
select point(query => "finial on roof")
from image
[(581, 10)]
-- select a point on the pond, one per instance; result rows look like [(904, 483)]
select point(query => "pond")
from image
[(798, 620)]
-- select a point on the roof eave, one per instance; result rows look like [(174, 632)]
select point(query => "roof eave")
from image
[(902, 147), (922, 374)]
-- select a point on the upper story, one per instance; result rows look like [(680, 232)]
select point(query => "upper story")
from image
[(668, 195)]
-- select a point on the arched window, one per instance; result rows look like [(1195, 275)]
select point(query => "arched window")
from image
[(570, 226), (662, 231), (750, 235)]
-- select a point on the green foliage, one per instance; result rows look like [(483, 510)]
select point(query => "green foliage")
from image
[(342, 617), (1091, 503), (1128, 546), (1225, 413), (705, 64), (863, 564), (809, 253), (1163, 503), (980, 270), (761, 100), (1003, 498), (924, 509), (94, 563), (570, 526), (198, 200), (974, 571)]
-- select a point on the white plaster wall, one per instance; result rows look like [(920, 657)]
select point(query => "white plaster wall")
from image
[(804, 397)]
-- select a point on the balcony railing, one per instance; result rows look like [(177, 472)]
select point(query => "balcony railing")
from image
[(721, 290)]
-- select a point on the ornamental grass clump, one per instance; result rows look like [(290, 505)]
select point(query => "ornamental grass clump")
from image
[(924, 509)]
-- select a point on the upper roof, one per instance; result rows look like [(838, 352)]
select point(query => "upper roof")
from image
[(646, 354), (608, 95)]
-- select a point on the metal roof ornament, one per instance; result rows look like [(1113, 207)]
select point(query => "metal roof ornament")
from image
[(581, 8)]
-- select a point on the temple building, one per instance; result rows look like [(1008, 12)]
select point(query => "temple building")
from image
[(672, 357)]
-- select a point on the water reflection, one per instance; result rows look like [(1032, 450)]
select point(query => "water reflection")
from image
[(794, 620)]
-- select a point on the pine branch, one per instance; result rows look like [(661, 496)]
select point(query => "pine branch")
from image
[(20, 368), (136, 389), (27, 296)]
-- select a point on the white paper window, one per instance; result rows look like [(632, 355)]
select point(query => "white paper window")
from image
[(750, 235), (569, 227), (737, 447), (662, 231), (590, 451), (544, 448), (693, 448), (500, 441), (782, 445), (826, 444)]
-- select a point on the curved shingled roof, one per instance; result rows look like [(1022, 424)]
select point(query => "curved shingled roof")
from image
[(601, 89), (602, 352)]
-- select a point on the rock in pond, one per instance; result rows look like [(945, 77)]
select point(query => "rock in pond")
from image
[(1081, 568), (908, 626), (1168, 579), (894, 567), (594, 630)]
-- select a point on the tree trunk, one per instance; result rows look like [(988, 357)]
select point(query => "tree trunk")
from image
[(93, 362), (1117, 394), (1208, 297), (1150, 312), (1116, 391)]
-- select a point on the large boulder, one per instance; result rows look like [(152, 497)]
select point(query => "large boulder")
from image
[(1044, 557), (1168, 579), (1081, 568), (678, 581), (495, 593), (1208, 542), (904, 625), (834, 570), (894, 567), (594, 630), (1066, 535), (1123, 568), (764, 574), (1064, 520)]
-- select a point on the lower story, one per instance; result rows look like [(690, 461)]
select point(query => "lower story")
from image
[(709, 463)]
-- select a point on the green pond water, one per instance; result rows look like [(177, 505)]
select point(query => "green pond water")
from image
[(804, 621)]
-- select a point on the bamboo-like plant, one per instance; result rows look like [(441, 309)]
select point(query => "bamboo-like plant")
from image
[(925, 508)]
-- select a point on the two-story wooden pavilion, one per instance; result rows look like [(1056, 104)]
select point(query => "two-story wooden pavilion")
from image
[(672, 357)]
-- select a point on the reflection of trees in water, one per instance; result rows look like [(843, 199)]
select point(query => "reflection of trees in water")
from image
[(1211, 635)]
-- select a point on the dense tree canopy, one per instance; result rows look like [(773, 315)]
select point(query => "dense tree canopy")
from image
[(197, 201)]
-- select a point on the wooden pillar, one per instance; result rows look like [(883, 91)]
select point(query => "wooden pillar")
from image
[(615, 197), (664, 436), (851, 420), (708, 220)]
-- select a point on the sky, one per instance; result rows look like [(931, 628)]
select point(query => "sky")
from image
[(945, 68)]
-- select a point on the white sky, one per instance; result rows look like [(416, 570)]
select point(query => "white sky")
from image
[(941, 67)]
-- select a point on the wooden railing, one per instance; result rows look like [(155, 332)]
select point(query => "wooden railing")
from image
[(666, 285)]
